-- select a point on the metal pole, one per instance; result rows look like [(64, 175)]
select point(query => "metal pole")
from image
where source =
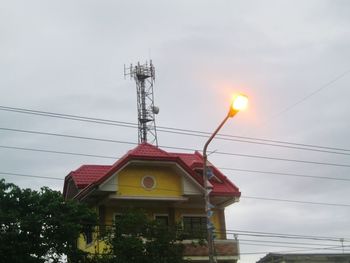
[(206, 182), (143, 112)]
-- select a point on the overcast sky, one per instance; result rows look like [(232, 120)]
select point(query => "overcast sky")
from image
[(290, 57)]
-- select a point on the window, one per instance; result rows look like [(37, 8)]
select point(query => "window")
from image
[(195, 226), (148, 182), (88, 234), (102, 220), (163, 220), (117, 216)]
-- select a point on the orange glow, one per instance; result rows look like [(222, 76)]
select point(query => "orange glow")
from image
[(240, 102)]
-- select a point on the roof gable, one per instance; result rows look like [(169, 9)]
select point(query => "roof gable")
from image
[(88, 176)]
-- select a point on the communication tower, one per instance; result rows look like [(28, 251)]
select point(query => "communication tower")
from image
[(144, 76)]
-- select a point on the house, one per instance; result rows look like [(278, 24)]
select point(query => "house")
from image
[(305, 258), (169, 186)]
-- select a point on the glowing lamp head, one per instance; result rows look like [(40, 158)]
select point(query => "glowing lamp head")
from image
[(239, 102)]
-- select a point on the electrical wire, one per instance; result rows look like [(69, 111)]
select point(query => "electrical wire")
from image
[(56, 152), (301, 247), (32, 176), (282, 242), (189, 132), (292, 251), (269, 245), (184, 149), (110, 224), (132, 143), (180, 192), (67, 136), (293, 201), (283, 235), (288, 108), (221, 168), (284, 174)]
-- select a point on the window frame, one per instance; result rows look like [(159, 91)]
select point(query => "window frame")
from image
[(161, 215), (204, 229)]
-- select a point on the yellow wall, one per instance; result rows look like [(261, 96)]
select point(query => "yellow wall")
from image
[(168, 183), (97, 246)]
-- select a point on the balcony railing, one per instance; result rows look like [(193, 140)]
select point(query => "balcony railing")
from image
[(226, 250)]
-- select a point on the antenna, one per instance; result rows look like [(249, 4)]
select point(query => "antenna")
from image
[(144, 76)]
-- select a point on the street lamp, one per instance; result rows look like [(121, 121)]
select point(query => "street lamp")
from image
[(239, 102)]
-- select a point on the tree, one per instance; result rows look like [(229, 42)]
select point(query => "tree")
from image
[(137, 239), (40, 226)]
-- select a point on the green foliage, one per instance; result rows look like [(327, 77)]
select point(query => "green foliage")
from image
[(40, 226), (137, 239)]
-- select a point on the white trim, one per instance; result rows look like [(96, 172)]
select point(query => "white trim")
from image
[(150, 198), (228, 202), (116, 174), (110, 184)]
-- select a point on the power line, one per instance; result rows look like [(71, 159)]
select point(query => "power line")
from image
[(220, 168), (32, 176), (177, 148), (189, 132), (287, 243), (246, 233), (254, 253), (285, 174), (132, 143), (56, 152), (281, 159), (172, 190), (293, 251), (262, 244), (118, 141), (226, 136), (308, 96), (263, 143), (284, 235), (293, 201), (69, 117), (68, 136), (238, 232)]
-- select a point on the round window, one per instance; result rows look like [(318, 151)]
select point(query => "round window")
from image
[(148, 182)]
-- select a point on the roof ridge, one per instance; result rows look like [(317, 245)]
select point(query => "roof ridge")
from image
[(145, 145)]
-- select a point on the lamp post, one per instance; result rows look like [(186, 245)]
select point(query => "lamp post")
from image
[(239, 103)]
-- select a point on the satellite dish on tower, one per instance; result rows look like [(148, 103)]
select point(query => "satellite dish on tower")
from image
[(155, 109)]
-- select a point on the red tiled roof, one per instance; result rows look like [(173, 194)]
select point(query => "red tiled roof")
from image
[(190, 159), (88, 175)]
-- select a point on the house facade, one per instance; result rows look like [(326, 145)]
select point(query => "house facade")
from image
[(168, 186)]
